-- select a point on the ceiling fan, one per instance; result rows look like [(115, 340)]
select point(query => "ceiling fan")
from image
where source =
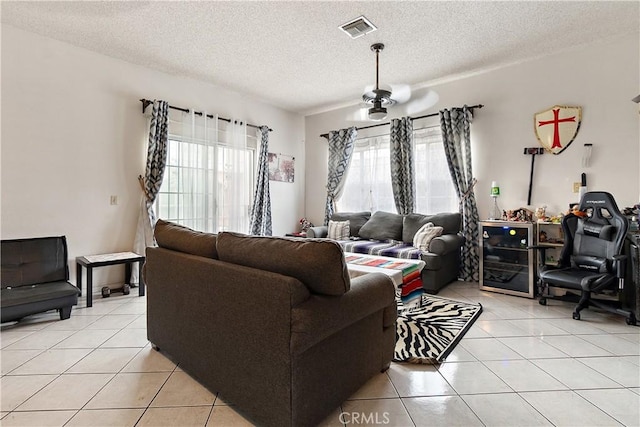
[(377, 99)]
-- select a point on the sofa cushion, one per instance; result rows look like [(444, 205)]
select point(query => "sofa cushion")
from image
[(425, 235), (338, 230), (34, 260), (179, 238), (37, 293), (383, 226), (356, 220), (318, 263), (450, 223)]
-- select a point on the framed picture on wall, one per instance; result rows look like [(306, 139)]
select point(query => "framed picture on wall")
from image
[(281, 167)]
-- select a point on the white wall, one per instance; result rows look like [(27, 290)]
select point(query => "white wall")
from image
[(73, 134), (602, 78)]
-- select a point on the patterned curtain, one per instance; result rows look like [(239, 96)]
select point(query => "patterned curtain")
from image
[(261, 211), (150, 183), (456, 137), (403, 181), (340, 150)]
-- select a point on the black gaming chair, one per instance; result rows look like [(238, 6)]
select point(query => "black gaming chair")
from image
[(591, 259)]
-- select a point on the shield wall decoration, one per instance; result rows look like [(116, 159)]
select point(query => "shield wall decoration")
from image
[(557, 127)]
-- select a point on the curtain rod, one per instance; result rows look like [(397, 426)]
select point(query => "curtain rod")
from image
[(146, 103), (326, 135)]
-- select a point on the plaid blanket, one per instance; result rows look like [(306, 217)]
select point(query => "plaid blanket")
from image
[(411, 278), (390, 248)]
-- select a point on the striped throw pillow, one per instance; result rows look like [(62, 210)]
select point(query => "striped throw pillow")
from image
[(338, 230), (425, 234)]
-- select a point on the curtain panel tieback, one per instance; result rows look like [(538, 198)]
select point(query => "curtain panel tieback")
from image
[(469, 191), (143, 187)]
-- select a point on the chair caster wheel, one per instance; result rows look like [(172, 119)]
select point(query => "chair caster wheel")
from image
[(543, 301), (631, 321), (576, 315), (106, 291), (126, 289)]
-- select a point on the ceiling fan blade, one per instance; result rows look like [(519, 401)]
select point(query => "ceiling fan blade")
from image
[(368, 88), (422, 103), (400, 93), (359, 115)]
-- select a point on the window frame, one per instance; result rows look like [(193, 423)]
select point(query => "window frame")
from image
[(421, 137), (170, 202)]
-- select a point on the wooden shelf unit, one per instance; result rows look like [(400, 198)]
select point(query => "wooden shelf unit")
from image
[(550, 234)]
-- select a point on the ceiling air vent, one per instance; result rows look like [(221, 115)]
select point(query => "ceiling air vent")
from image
[(358, 27)]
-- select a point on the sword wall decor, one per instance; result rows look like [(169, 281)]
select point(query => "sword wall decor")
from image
[(533, 151)]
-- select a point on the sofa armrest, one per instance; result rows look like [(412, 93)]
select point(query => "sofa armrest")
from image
[(444, 244), (317, 232), (321, 316)]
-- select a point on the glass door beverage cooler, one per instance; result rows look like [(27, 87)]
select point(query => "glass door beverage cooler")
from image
[(506, 265)]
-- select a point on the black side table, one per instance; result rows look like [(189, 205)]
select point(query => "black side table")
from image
[(93, 261)]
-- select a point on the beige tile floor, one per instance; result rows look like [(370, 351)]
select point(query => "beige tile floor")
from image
[(520, 364)]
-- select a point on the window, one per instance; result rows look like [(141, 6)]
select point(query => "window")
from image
[(434, 188), (209, 175), (368, 182)]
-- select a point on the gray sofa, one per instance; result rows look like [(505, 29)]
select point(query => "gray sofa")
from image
[(274, 325), (390, 234)]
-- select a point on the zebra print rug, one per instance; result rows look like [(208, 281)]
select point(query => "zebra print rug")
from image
[(428, 333)]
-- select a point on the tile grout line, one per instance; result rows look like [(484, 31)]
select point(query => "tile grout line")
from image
[(158, 392), (579, 335), (51, 348)]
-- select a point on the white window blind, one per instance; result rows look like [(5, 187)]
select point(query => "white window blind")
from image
[(368, 183), (209, 176)]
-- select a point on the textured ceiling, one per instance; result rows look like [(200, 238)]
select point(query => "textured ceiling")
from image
[(292, 54)]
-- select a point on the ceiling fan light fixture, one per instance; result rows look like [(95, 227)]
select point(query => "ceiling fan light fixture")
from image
[(380, 98), (378, 95), (377, 112)]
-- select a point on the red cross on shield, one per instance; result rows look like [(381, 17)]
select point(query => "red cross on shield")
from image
[(557, 127)]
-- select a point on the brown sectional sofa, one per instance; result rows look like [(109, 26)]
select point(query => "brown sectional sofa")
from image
[(274, 325)]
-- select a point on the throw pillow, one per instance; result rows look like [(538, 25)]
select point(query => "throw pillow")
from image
[(356, 220), (338, 230), (383, 226), (183, 239), (425, 234), (450, 222)]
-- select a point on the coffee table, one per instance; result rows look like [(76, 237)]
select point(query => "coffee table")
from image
[(92, 261), (395, 268)]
